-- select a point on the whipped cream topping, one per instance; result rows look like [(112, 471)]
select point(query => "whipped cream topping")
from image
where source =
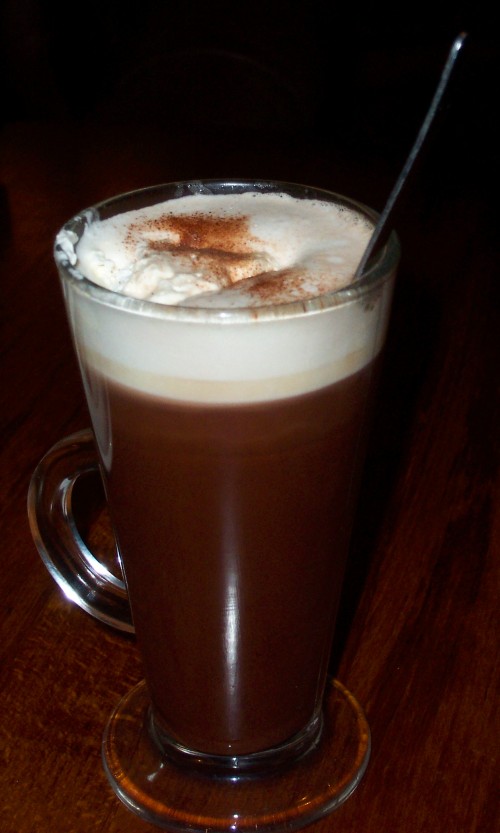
[(230, 250)]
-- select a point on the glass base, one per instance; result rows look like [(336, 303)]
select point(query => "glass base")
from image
[(177, 798)]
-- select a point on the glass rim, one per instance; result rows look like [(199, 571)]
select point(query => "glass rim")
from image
[(378, 269)]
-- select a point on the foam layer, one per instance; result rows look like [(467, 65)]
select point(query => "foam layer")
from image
[(313, 247), (231, 250)]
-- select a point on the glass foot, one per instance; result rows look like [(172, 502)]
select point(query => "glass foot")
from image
[(174, 797)]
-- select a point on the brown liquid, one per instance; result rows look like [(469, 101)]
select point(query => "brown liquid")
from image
[(233, 525)]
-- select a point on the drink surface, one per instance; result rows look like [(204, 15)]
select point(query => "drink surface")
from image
[(226, 250)]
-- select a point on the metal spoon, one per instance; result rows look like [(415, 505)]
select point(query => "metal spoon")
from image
[(383, 227)]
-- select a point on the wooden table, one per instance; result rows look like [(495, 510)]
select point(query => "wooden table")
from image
[(418, 630)]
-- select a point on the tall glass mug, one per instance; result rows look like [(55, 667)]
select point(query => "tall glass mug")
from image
[(230, 443)]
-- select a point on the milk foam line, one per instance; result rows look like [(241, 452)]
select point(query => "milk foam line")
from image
[(222, 391), (209, 362)]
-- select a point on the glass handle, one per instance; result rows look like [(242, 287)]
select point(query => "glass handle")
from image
[(83, 577)]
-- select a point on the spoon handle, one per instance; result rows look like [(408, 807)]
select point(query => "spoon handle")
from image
[(383, 227)]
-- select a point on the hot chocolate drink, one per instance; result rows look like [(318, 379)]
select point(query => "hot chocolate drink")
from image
[(233, 522), (228, 361)]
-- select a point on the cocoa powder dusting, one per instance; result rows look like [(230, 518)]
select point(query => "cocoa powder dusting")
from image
[(221, 247), (282, 285), (268, 288), (195, 231)]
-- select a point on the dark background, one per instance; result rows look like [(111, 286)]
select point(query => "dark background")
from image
[(316, 80)]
